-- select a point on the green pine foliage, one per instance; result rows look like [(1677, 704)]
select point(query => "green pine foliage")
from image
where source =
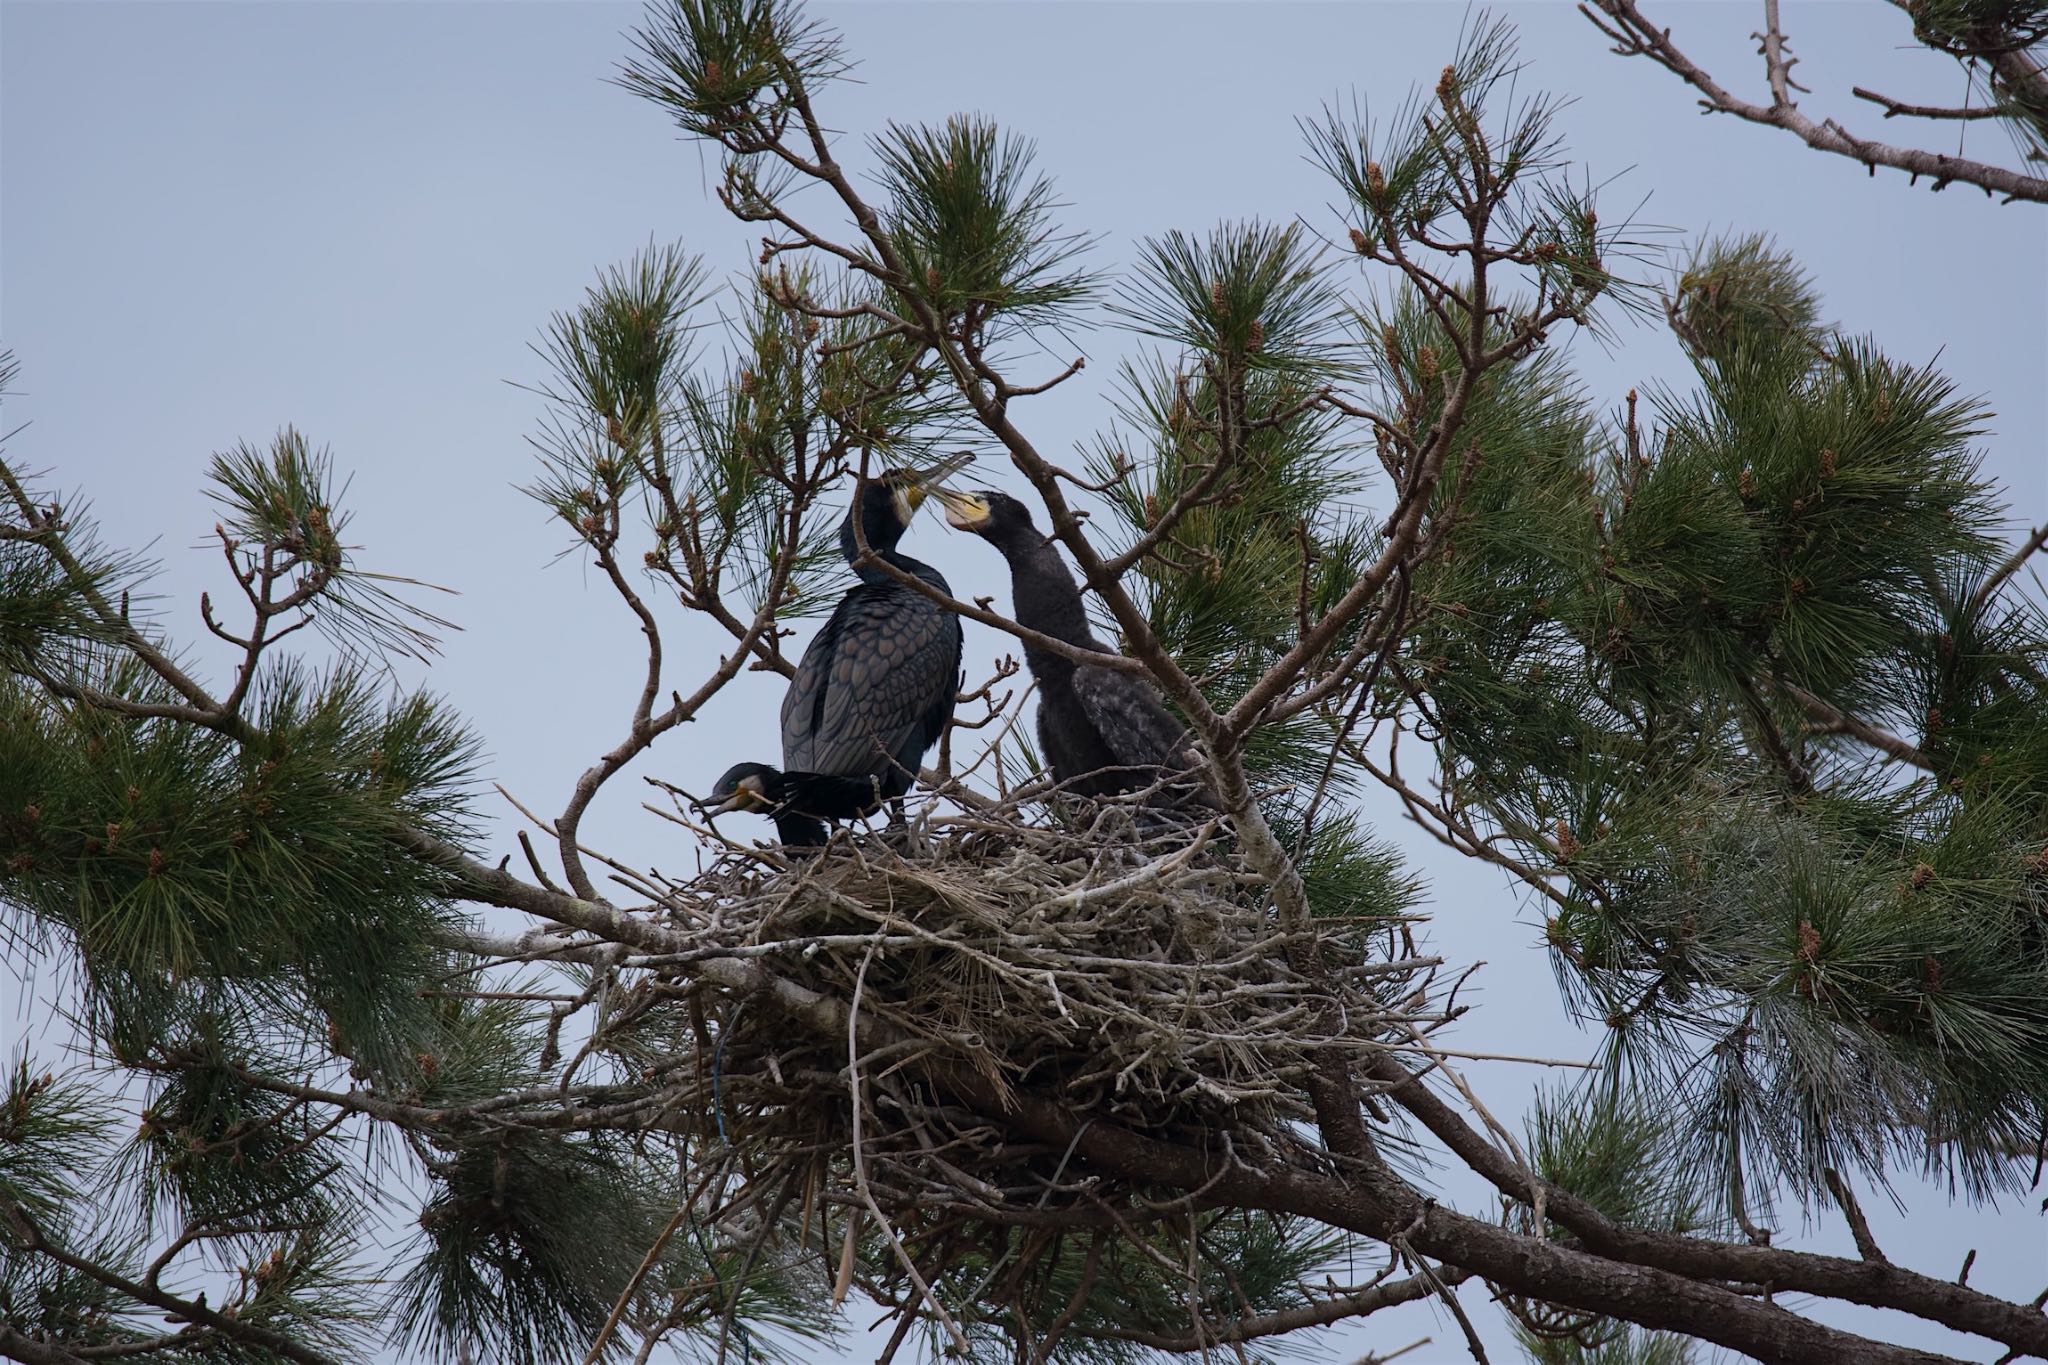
[(971, 225), (282, 1250), (44, 1123), (1625, 1346), (1252, 292), (1350, 873), (1109, 1293), (1613, 1147), (1227, 425), (711, 477), (1607, 1145), (180, 862), (282, 499), (1627, 679), (211, 1148), (727, 68), (530, 1240), (624, 355)]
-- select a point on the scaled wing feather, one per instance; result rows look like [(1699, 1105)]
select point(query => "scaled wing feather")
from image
[(1132, 719), (870, 679)]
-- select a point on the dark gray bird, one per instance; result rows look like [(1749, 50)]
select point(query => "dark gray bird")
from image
[(1103, 731), (783, 797), (874, 689)]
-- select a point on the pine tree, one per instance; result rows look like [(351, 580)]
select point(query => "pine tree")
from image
[(1741, 686)]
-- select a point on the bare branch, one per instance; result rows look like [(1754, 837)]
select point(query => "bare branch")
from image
[(190, 1310), (1318, 1313), (1635, 35), (1009, 391), (29, 1350), (2012, 565), (1859, 1226), (1897, 108), (1831, 720)]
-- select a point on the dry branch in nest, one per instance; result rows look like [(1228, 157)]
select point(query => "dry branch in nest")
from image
[(1127, 967)]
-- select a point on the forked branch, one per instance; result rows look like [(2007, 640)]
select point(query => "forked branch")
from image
[(1635, 35)]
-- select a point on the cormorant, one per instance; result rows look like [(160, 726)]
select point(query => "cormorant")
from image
[(774, 793), (874, 689), (1103, 731)]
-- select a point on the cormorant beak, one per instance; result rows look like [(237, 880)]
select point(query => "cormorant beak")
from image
[(913, 486), (964, 511)]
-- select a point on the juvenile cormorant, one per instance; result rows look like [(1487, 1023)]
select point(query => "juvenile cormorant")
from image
[(1103, 731), (874, 689)]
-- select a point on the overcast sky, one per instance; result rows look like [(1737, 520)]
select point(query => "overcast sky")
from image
[(220, 219)]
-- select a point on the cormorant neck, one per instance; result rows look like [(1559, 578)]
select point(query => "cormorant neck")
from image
[(1043, 593), (884, 546), (903, 563)]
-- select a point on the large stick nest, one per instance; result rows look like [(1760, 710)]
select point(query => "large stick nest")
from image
[(1131, 969)]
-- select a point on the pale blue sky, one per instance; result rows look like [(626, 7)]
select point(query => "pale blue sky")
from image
[(218, 219)]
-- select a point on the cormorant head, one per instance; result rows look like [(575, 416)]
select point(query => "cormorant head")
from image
[(986, 513), (887, 502), (746, 786), (762, 790)]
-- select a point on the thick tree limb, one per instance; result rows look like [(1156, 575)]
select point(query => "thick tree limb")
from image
[(1874, 1285)]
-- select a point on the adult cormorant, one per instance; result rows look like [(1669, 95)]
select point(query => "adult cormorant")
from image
[(1103, 731), (874, 689)]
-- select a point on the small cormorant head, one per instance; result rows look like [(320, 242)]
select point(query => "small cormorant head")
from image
[(746, 786), (888, 501), (986, 513), (900, 493)]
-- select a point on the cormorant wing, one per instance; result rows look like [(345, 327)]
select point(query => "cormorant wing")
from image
[(885, 664), (1132, 719)]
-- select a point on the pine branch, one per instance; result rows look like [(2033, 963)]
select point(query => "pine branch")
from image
[(1859, 1226), (30, 1238), (1898, 108), (1861, 1282), (114, 620), (1830, 720), (1321, 1313), (1988, 589), (1634, 35), (15, 1346)]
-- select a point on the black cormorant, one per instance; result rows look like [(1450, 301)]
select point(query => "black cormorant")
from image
[(779, 795), (1102, 731), (874, 689)]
